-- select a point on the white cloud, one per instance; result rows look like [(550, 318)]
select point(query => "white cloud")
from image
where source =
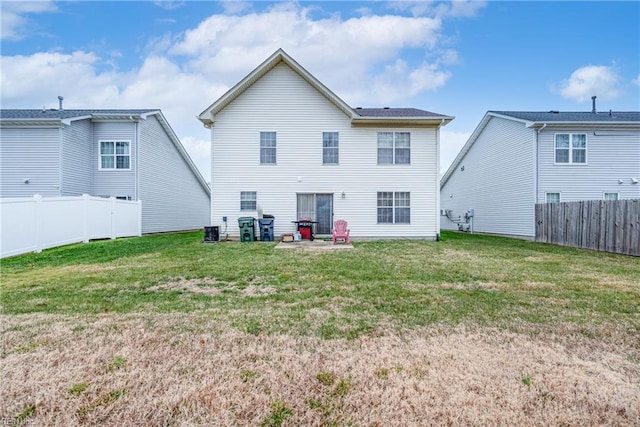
[(183, 73), (590, 80), (636, 81), (450, 145), (37, 80), (14, 21), (349, 56), (235, 7), (169, 4), (454, 9)]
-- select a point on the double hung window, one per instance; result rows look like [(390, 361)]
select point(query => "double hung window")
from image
[(394, 148), (394, 207), (267, 148), (248, 201), (115, 155), (330, 145), (571, 148)]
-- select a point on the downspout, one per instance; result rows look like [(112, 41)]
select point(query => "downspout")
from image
[(537, 148), (137, 151), (437, 213)]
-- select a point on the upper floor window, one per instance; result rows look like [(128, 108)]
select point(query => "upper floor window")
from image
[(553, 197), (394, 207), (115, 154), (571, 148), (248, 200), (394, 148), (267, 147), (611, 196), (330, 148)]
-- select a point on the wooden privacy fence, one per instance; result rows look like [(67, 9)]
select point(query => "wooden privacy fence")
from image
[(603, 225)]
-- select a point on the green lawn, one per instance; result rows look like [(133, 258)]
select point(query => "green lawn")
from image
[(463, 279)]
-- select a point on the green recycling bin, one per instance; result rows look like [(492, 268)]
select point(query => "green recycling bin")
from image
[(247, 229)]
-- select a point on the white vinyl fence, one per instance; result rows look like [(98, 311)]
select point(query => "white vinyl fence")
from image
[(31, 224)]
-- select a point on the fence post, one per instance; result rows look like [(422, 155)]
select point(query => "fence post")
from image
[(85, 225), (112, 228), (36, 219)]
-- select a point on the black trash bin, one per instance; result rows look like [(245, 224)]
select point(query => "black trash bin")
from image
[(247, 229), (266, 228), (211, 234)]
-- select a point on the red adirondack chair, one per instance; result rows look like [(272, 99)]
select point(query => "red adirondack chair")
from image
[(340, 231)]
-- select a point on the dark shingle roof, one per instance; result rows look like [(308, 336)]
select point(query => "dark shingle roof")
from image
[(565, 116), (394, 112), (64, 114)]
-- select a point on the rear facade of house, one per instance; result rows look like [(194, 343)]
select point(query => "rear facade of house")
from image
[(284, 145), (127, 154), (515, 159)]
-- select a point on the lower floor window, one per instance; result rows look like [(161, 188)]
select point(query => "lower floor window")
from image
[(248, 200), (553, 197), (611, 196), (394, 207)]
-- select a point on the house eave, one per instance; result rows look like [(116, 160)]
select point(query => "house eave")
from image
[(402, 121)]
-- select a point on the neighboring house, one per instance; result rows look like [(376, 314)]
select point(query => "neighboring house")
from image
[(516, 159), (127, 154), (285, 145)]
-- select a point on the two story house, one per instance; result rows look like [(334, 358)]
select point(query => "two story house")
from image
[(515, 159), (127, 154), (285, 145)]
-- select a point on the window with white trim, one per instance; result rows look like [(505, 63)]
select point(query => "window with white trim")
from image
[(394, 207), (115, 155), (394, 148), (330, 146), (248, 200), (571, 148), (267, 148), (553, 197), (611, 196)]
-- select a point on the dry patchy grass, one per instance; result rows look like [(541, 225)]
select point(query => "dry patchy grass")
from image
[(190, 369)]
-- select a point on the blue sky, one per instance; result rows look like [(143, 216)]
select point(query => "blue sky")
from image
[(457, 58)]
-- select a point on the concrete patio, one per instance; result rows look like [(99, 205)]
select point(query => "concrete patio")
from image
[(315, 245)]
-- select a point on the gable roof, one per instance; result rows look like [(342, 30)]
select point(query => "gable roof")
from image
[(357, 115), (60, 118), (540, 119), (563, 117)]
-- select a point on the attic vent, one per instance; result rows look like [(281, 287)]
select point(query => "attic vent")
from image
[(358, 108), (386, 108)]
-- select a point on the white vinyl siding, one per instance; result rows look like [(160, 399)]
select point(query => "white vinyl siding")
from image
[(30, 162), (173, 199), (330, 148), (571, 148), (274, 103), (613, 155), (109, 182), (76, 158), (496, 178)]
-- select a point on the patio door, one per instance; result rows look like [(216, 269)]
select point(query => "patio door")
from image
[(319, 207)]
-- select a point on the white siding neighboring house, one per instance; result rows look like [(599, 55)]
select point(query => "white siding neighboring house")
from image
[(129, 154), (284, 144), (515, 159)]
